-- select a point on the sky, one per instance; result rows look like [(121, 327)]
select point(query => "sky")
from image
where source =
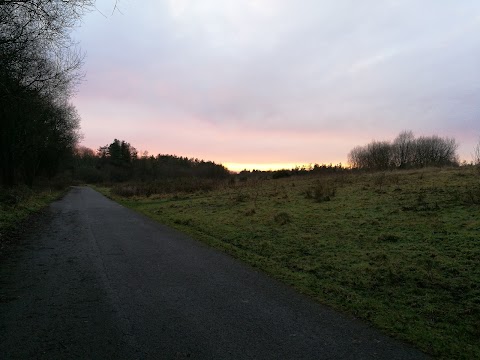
[(276, 83)]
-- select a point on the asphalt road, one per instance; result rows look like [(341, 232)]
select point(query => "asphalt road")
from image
[(94, 280)]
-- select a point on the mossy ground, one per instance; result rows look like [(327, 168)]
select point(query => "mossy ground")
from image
[(398, 249)]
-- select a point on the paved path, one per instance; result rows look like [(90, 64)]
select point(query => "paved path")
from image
[(98, 281)]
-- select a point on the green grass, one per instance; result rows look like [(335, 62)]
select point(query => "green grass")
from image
[(18, 204), (398, 249)]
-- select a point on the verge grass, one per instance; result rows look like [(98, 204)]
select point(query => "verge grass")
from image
[(398, 249), (18, 203)]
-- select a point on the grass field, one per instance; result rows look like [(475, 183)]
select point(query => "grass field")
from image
[(398, 249)]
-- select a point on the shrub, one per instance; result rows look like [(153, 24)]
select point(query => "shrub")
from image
[(282, 218), (250, 212), (185, 222), (323, 190), (379, 180), (124, 190), (472, 195), (239, 198), (388, 238), (281, 174), (13, 196)]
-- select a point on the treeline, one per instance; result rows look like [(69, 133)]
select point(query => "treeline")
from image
[(404, 152), (119, 162), (315, 169), (39, 68)]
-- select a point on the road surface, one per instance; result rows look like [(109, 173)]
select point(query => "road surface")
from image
[(94, 280)]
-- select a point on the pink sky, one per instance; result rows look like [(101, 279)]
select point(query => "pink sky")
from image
[(271, 82)]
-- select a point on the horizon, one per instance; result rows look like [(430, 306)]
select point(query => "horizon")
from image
[(271, 83), (264, 167)]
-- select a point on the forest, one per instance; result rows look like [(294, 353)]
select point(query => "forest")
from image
[(119, 162)]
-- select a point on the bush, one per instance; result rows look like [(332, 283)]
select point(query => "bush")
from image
[(388, 238), (13, 196), (281, 174), (324, 190), (282, 218), (472, 195), (125, 190), (239, 198), (250, 212)]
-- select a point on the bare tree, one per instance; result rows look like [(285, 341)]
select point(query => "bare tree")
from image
[(435, 151), (379, 155), (357, 157), (403, 149), (374, 156), (39, 68), (476, 154), (404, 152)]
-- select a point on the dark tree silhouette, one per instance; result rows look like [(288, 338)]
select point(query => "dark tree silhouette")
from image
[(405, 152), (119, 161), (476, 154), (403, 149), (39, 67)]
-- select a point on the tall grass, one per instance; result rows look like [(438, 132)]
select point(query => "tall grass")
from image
[(167, 186)]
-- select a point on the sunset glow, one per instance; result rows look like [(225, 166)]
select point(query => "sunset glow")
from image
[(237, 167), (271, 84)]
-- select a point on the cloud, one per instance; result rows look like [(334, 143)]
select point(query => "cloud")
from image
[(276, 69)]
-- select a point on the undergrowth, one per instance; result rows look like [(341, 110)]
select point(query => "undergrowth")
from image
[(18, 203)]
